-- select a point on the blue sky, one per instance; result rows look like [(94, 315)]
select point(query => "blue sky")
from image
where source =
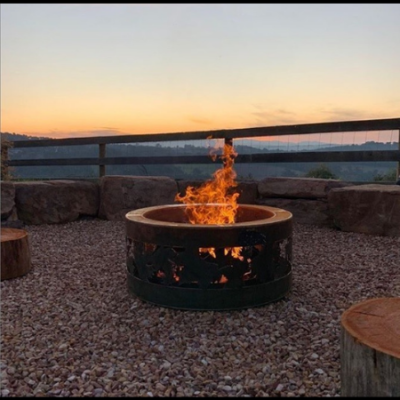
[(91, 69)]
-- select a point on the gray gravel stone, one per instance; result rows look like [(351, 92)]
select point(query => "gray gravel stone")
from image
[(72, 316)]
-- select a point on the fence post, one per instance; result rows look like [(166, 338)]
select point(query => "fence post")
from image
[(102, 154), (398, 162), (229, 141), (4, 162)]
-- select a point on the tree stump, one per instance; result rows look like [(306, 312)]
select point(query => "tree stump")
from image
[(370, 349), (15, 253)]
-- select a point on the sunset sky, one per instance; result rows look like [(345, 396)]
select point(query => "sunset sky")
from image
[(74, 70)]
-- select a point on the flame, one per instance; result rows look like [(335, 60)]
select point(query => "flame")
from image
[(235, 252), (210, 250), (216, 192), (161, 274)]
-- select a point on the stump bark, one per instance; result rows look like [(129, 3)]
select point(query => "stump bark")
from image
[(15, 253), (370, 349)]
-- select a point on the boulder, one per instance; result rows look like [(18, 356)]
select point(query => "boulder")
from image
[(304, 188), (8, 210), (121, 194), (247, 189), (183, 184), (55, 201), (372, 209), (312, 212), (13, 222), (248, 192)]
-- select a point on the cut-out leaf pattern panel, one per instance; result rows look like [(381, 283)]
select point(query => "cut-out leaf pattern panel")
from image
[(196, 269), (251, 238), (260, 262)]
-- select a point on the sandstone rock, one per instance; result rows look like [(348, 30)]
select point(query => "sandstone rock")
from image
[(121, 194), (56, 201), (248, 192), (247, 189), (7, 200), (371, 209), (313, 212), (305, 188)]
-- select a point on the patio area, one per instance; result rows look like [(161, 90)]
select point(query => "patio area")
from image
[(70, 327)]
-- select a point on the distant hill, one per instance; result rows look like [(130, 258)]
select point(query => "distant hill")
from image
[(255, 145), (359, 171), (17, 136)]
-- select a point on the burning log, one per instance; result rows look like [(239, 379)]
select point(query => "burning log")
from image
[(370, 349), (15, 253)]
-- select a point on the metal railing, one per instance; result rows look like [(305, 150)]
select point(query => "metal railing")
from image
[(229, 135)]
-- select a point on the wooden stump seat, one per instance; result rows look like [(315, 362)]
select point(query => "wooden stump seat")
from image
[(15, 253), (370, 349)]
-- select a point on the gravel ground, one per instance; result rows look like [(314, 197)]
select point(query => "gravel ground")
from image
[(71, 328)]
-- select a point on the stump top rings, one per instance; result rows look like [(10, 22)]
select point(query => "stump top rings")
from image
[(12, 234), (375, 323)]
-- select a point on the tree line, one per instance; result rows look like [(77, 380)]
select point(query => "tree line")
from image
[(359, 171)]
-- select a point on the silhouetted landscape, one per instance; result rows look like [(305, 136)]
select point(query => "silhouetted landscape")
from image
[(356, 171)]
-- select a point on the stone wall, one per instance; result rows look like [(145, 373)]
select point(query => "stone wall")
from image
[(57, 201), (370, 209), (305, 198), (121, 194), (8, 208)]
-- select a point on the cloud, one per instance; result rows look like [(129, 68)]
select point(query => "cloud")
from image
[(202, 121), (60, 134), (348, 114), (394, 101), (109, 129), (280, 111), (273, 117), (258, 106), (326, 114), (344, 114), (93, 132)]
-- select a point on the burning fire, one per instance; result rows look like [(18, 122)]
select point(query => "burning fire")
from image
[(215, 191)]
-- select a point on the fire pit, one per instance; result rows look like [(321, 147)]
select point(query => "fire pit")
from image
[(174, 263)]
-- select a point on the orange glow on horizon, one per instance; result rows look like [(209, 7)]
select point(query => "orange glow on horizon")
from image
[(75, 130)]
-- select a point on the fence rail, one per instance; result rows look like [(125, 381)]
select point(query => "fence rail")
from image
[(333, 156), (229, 135)]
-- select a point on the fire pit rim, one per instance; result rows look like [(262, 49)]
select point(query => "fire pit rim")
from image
[(139, 216)]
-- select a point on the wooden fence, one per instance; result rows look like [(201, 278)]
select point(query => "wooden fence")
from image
[(229, 135)]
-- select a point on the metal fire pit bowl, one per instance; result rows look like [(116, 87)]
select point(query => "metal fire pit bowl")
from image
[(166, 267)]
